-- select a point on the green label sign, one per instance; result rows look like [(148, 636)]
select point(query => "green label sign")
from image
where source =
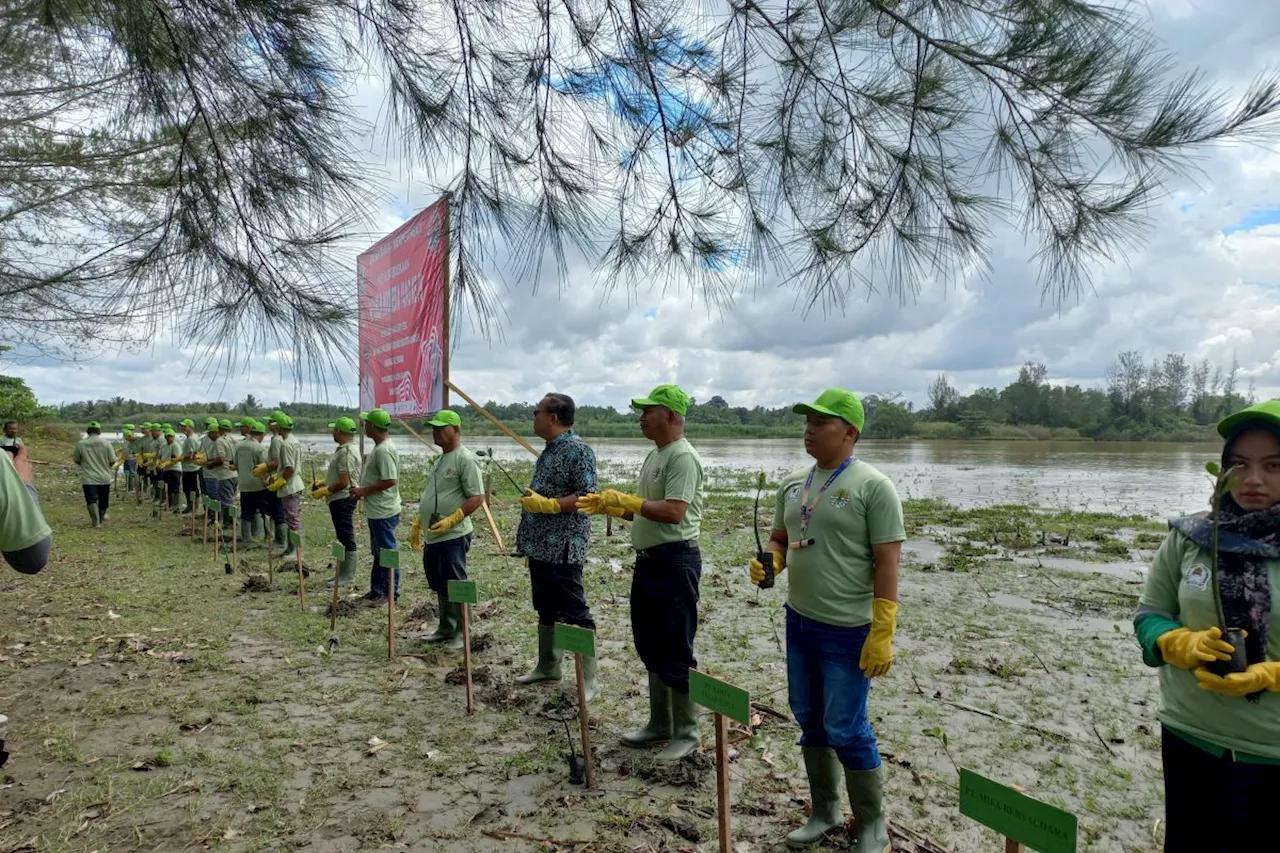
[(389, 558), (233, 511), (1032, 823), (720, 696), (295, 538), (462, 592), (339, 551), (574, 639)]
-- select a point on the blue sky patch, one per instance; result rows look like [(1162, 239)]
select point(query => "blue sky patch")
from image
[(1255, 219)]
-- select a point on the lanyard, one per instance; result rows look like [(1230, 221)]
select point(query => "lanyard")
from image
[(806, 511)]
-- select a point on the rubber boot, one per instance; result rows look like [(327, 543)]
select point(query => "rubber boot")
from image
[(246, 533), (589, 676), (346, 570), (866, 801), (823, 769), (456, 641), (292, 553), (549, 657), (684, 728), (173, 502), (280, 536), (446, 629), (259, 532), (94, 518), (659, 725), (190, 506)]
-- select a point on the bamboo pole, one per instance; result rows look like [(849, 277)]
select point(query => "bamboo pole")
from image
[(499, 424)]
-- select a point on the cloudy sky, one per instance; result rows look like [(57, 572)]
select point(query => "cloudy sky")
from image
[(1205, 281)]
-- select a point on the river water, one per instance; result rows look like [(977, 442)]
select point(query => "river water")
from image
[(1151, 479)]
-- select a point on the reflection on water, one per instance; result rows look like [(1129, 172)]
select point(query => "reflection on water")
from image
[(1158, 480)]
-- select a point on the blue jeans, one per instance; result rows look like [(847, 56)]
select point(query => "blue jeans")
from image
[(382, 534), (828, 690)]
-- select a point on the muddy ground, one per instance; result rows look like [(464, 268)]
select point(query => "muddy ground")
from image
[(157, 706)]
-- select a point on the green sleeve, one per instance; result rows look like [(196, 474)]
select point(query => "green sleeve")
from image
[(288, 458), (884, 514), (682, 479), (387, 468), (472, 480), (1158, 605), (780, 507), (76, 456), (347, 464)]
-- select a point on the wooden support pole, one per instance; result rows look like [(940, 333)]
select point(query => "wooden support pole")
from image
[(1011, 846), (466, 657), (493, 526), (722, 783), (499, 424), (584, 720), (295, 539)]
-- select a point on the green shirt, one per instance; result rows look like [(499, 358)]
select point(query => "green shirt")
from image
[(453, 478), (290, 457), (672, 473), (94, 456), (345, 460), (248, 455), (206, 447), (21, 522), (832, 580), (273, 448), (1177, 589), (149, 445), (171, 451), (190, 447), (224, 449), (382, 464), (131, 447)]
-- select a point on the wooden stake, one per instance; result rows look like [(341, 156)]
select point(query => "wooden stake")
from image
[(722, 783), (391, 612), (466, 656), (217, 533), (584, 720), (1011, 846), (499, 424), (493, 526), (235, 558), (302, 587)]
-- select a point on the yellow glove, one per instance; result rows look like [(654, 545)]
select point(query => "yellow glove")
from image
[(1187, 649), (443, 525), (415, 534), (757, 568), (201, 459), (589, 504), (1258, 677), (260, 470), (614, 499), (316, 484), (277, 484), (534, 502), (877, 651), (321, 492), (115, 466)]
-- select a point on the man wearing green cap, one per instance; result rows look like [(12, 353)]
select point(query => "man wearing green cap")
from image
[(287, 483), (151, 443), (838, 527), (454, 489), (126, 456), (379, 488), (274, 509), (188, 467), (209, 486), (667, 515), (247, 456), (170, 459), (220, 475), (94, 455), (343, 470)]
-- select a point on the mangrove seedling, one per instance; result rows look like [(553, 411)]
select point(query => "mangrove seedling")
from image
[(1232, 634), (764, 558)]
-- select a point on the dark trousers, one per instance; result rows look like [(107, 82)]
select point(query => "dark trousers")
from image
[(190, 482), (445, 561), (664, 610), (558, 595), (252, 504), (172, 479), (344, 527), (273, 508), (1215, 805), (382, 535), (101, 495)]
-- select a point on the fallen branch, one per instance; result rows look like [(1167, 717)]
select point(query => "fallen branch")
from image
[(1049, 733), (1101, 739), (907, 840), (772, 712), (503, 835)]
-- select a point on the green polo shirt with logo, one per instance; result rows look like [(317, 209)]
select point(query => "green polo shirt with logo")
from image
[(290, 457), (382, 464), (453, 478), (671, 473), (94, 456), (345, 460), (248, 454)]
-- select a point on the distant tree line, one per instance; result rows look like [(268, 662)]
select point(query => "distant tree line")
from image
[(1167, 397)]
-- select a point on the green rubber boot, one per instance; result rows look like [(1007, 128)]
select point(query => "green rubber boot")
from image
[(280, 535), (292, 553), (549, 657), (659, 725), (347, 574), (173, 502), (446, 629), (589, 676), (866, 801), (94, 518), (246, 533), (456, 641), (823, 769), (257, 533), (684, 728)]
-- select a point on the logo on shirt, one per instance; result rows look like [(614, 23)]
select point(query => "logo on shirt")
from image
[(1197, 578), (792, 495), (840, 498), (656, 474)]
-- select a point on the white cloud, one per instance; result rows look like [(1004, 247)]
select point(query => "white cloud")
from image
[(1186, 287)]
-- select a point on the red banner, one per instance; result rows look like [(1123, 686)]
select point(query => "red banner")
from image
[(401, 281)]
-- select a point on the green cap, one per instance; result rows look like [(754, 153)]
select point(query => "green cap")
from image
[(247, 421), (187, 422), (210, 423), (379, 418), (258, 427), (94, 425), (347, 425), (1267, 412), (445, 417), (169, 430), (284, 421), (153, 426), (129, 427), (274, 417), (225, 423), (835, 402), (667, 395)]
